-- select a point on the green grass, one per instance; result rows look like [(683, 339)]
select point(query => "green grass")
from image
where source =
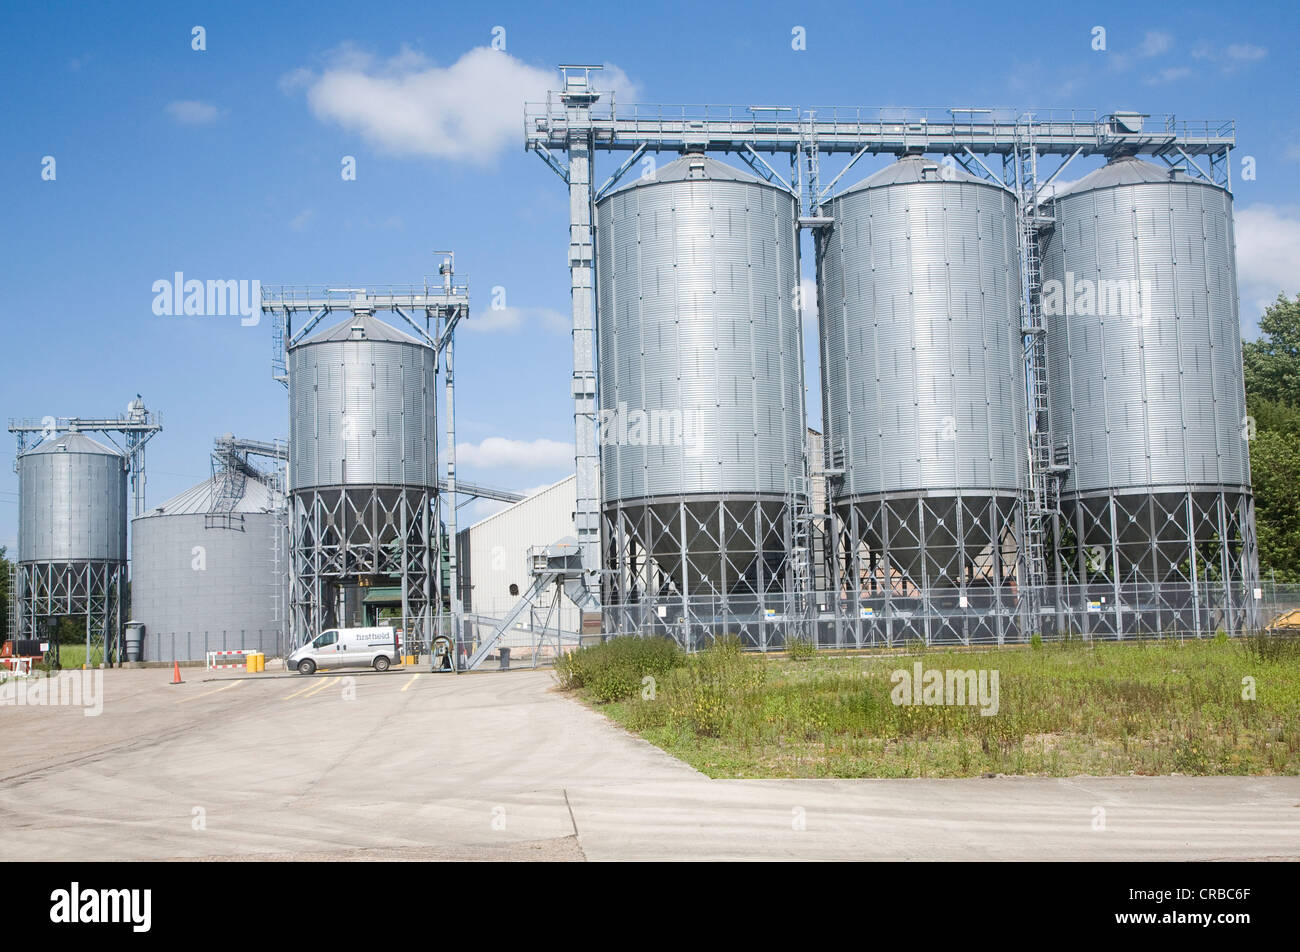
[(72, 656), (1147, 708)]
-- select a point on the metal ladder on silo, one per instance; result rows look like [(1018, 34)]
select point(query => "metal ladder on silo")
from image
[(1038, 504), (799, 506), (12, 595)]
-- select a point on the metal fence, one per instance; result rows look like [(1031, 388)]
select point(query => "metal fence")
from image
[(171, 646), (956, 617)]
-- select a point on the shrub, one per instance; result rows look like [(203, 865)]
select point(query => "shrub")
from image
[(800, 649), (613, 670)]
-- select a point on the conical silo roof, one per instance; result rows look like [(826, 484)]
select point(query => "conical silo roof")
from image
[(1129, 170), (372, 329), (910, 169), (693, 166), (199, 499), (73, 443)]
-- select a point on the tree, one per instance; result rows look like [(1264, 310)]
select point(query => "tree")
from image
[(1272, 370), (1272, 363)]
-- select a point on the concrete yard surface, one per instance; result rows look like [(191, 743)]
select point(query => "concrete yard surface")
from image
[(409, 765)]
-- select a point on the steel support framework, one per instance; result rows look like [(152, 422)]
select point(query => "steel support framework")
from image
[(91, 589), (931, 567), (1151, 562), (579, 121), (700, 567), (343, 535)]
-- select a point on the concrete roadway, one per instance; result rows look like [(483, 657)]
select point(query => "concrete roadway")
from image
[(358, 765)]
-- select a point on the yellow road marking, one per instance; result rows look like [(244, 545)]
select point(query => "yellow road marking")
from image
[(320, 687), (410, 682), (302, 690), (232, 684)]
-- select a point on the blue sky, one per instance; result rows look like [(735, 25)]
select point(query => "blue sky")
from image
[(225, 163)]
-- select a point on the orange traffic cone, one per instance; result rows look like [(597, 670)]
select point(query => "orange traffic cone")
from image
[(176, 673)]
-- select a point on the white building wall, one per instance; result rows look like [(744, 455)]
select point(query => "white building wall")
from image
[(493, 553)]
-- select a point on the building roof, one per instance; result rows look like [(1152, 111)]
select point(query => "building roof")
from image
[(199, 499), (72, 443), (500, 513), (371, 327)]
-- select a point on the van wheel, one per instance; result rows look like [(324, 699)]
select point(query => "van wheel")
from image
[(306, 666), (381, 663)]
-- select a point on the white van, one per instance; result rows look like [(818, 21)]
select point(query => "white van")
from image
[(347, 648)]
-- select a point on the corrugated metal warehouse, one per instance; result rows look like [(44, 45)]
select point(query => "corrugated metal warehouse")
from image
[(493, 553)]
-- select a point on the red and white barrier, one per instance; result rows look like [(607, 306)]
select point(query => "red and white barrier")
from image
[(217, 660)]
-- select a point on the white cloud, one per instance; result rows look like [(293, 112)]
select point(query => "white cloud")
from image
[(1231, 57), (503, 453), (1155, 43), (1170, 75), (467, 111), (1246, 52), (1268, 255), (509, 319), (191, 112), (299, 221)]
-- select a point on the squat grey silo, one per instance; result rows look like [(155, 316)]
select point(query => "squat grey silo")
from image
[(362, 473), (923, 394), (699, 347), (200, 583), (71, 532), (1145, 381)]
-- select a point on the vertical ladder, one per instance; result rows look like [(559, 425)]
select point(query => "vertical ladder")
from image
[(1038, 498), (12, 582), (799, 508)]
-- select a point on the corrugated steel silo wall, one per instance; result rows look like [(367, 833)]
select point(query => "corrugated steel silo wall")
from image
[(1153, 398), (72, 507), (220, 599), (922, 376), (371, 403), (697, 323)]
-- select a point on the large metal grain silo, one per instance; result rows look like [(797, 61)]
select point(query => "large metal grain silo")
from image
[(203, 580), (924, 399), (72, 535), (1147, 399), (362, 476), (700, 384)]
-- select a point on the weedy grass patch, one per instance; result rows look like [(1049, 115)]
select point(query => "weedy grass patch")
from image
[(1208, 707)]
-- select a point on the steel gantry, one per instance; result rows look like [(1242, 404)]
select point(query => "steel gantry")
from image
[(1003, 145), (441, 305)]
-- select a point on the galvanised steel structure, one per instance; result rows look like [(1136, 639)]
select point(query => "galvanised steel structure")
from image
[(207, 567), (1004, 146), (1147, 400), (700, 381), (923, 401), (72, 526), (363, 449)]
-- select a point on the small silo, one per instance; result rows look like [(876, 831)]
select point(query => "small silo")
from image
[(206, 582), (362, 476), (700, 385), (71, 535), (1147, 402), (923, 395)]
